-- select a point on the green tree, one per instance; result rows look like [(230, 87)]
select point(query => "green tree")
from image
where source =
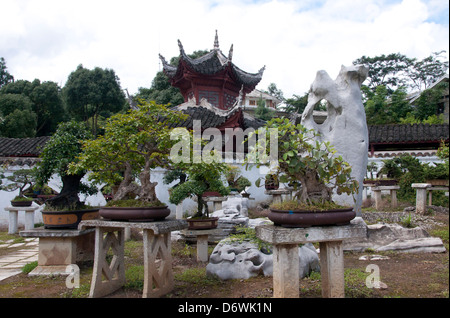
[(5, 77), (384, 70), (46, 102), (263, 112), (63, 148), (91, 93), (425, 72), (296, 104), (429, 101), (17, 120), (133, 144)]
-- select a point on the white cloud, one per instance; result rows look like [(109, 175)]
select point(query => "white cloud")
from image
[(294, 39)]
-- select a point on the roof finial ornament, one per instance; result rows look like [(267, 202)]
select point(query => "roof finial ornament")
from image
[(230, 54), (216, 42), (181, 47)]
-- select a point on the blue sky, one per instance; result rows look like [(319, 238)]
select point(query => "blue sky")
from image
[(47, 39)]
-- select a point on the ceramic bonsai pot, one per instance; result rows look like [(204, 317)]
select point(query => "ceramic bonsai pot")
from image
[(67, 219), (304, 218), (139, 214), (202, 223), (21, 203)]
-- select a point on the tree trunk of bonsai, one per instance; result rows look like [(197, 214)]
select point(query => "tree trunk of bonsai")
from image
[(68, 197), (313, 190), (127, 186), (147, 192)]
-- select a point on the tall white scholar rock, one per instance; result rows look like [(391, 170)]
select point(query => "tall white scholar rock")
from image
[(345, 126)]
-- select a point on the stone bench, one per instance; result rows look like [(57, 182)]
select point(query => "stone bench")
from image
[(13, 217), (59, 248), (285, 243), (377, 195), (158, 276)]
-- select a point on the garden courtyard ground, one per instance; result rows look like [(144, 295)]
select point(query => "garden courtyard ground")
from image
[(406, 275)]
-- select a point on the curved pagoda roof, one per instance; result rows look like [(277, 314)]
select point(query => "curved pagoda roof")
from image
[(211, 64)]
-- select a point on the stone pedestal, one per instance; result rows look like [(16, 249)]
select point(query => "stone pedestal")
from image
[(109, 235), (59, 248), (377, 195), (277, 195), (285, 255), (13, 217), (421, 196), (202, 241), (217, 202)]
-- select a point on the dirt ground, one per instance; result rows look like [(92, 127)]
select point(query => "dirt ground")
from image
[(405, 275)]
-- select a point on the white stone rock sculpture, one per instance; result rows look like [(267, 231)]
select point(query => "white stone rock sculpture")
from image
[(394, 237), (345, 126), (242, 260)]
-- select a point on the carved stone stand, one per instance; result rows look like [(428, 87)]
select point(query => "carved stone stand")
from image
[(59, 248), (13, 217), (217, 202), (202, 241), (107, 277), (277, 194), (286, 262), (392, 191)]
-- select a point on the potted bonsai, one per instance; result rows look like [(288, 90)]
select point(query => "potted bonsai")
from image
[(237, 182), (200, 178), (132, 145), (65, 210), (21, 180), (313, 164)]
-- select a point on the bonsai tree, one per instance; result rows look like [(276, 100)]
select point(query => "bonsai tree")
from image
[(22, 180), (313, 164), (132, 145), (236, 180), (61, 150), (200, 177)]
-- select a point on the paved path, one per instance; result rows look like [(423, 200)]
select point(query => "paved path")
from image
[(11, 263)]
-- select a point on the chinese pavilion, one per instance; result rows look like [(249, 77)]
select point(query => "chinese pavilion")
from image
[(213, 77)]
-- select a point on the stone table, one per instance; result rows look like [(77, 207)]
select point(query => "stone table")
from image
[(277, 194), (202, 241), (61, 247), (13, 217), (217, 202), (285, 243), (377, 195), (158, 281)]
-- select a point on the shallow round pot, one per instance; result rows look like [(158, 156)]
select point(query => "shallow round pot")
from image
[(21, 203), (142, 214), (202, 224), (311, 218), (67, 219)]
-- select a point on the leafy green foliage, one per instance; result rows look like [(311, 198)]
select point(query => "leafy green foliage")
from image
[(90, 93), (312, 163), (20, 179), (5, 77), (62, 149), (41, 101), (132, 145)]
